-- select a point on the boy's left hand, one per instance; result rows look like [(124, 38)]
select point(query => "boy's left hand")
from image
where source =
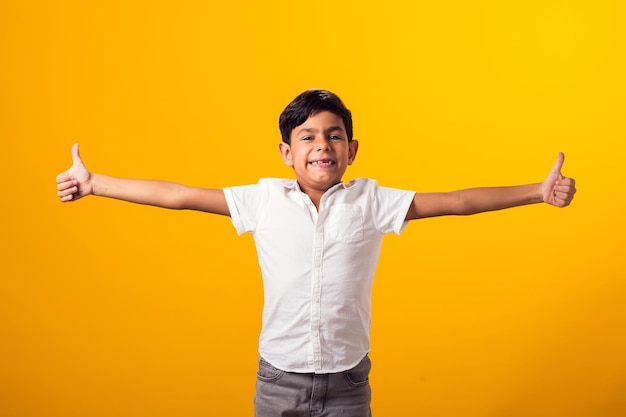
[(558, 190)]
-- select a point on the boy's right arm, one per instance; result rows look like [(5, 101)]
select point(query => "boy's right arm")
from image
[(78, 182)]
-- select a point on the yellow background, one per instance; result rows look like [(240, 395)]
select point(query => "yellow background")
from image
[(112, 309)]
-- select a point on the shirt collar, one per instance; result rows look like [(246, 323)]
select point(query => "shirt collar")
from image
[(293, 185)]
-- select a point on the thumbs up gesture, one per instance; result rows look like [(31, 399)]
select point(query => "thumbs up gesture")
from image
[(558, 190), (76, 181)]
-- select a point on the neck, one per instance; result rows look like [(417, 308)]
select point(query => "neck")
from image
[(314, 194)]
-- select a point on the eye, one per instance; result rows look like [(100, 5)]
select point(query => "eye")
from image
[(307, 138), (335, 137)]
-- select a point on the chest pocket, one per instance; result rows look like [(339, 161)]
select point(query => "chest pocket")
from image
[(344, 223)]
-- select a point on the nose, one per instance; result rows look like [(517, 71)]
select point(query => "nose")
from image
[(323, 144)]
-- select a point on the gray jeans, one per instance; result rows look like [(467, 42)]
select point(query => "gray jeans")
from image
[(288, 394)]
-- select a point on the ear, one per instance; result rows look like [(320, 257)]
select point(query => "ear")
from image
[(285, 153), (353, 147)]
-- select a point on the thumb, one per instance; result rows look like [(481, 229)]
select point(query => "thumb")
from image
[(556, 169), (76, 155)]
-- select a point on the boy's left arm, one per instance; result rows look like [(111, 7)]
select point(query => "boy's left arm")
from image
[(556, 190)]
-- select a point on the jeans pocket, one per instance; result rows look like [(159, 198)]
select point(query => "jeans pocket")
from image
[(267, 372), (359, 375)]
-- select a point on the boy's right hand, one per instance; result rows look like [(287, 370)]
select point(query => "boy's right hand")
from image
[(76, 181)]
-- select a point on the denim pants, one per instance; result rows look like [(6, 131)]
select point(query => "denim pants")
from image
[(288, 394)]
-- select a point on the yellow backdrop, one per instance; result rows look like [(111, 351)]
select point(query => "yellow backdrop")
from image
[(111, 309)]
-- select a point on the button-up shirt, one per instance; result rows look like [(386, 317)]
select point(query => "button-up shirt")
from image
[(317, 265)]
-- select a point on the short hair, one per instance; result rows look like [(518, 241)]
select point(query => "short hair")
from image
[(308, 104)]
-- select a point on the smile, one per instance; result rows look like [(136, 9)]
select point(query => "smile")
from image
[(322, 163)]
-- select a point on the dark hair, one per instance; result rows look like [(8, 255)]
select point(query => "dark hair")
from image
[(308, 104)]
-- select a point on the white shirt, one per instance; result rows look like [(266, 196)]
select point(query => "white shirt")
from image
[(317, 267)]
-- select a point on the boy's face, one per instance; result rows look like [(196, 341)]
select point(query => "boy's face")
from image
[(319, 151)]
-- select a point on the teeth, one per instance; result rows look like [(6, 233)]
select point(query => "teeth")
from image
[(318, 163)]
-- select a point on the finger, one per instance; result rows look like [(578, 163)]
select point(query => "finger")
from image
[(570, 189), (66, 184), (67, 191), (564, 203), (63, 177), (566, 181), (559, 163), (561, 203), (76, 155), (67, 198), (561, 200), (563, 195)]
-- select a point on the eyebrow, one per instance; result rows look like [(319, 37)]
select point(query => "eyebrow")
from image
[(330, 129)]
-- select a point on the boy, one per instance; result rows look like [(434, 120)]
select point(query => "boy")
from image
[(318, 241)]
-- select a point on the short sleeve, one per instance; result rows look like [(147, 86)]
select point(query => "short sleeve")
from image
[(246, 203), (389, 208)]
